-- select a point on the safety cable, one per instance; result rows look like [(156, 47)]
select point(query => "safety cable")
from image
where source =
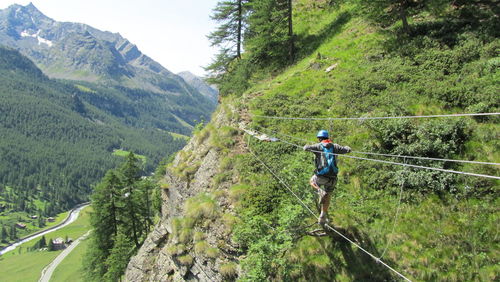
[(397, 214), (397, 156), (367, 118), (326, 225), (396, 163)]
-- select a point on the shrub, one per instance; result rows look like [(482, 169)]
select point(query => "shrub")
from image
[(237, 191), (201, 206), (186, 260), (229, 270), (201, 247), (176, 249), (198, 236), (212, 252)]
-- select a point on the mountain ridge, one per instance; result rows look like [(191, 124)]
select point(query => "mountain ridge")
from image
[(78, 51)]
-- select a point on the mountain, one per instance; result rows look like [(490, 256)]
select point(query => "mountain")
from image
[(80, 52), (55, 145), (199, 84)]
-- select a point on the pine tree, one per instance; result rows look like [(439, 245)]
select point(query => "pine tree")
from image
[(389, 11), (50, 245), (118, 259), (131, 174), (270, 33), (13, 232), (231, 14), (4, 235), (43, 242), (106, 203)]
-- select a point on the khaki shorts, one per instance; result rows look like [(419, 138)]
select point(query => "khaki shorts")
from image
[(326, 183)]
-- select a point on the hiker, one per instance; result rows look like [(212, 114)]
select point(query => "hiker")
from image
[(326, 171)]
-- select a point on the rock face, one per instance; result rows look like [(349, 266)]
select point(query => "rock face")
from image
[(192, 240)]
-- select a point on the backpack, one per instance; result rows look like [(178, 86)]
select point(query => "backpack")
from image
[(327, 166)]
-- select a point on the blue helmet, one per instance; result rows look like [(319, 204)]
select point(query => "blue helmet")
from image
[(322, 134)]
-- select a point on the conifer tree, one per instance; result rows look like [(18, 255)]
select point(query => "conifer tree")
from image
[(50, 245), (13, 232), (4, 235), (131, 174), (270, 33), (118, 259), (106, 203), (228, 36), (388, 11)]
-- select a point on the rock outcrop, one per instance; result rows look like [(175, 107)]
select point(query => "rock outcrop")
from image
[(192, 240)]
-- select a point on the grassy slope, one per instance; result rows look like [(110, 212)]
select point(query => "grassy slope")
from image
[(27, 266), (442, 237)]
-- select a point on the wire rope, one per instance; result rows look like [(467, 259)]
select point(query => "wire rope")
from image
[(374, 118), (396, 163), (399, 156)]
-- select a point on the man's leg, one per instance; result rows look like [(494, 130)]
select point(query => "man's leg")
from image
[(313, 183), (328, 184), (325, 203)]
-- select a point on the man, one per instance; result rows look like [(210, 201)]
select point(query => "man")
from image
[(326, 170)]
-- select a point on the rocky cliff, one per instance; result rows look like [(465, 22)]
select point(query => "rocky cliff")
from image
[(192, 240)]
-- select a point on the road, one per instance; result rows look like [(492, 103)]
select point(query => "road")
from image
[(49, 269), (71, 217)]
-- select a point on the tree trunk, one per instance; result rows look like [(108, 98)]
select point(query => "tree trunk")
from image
[(404, 19), (240, 28), (290, 32)]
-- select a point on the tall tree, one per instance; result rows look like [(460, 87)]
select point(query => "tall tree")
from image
[(269, 39), (131, 175), (228, 36), (388, 11), (106, 203), (118, 259), (3, 234)]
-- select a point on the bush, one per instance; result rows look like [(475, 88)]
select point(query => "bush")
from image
[(229, 270), (212, 252), (201, 206), (186, 260), (201, 247)]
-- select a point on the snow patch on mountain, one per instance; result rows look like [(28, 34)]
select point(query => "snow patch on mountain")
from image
[(40, 39)]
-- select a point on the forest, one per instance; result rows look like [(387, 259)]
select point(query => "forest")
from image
[(58, 137)]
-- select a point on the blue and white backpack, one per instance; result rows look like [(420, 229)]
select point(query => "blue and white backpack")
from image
[(327, 164)]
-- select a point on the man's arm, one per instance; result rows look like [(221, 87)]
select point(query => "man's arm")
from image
[(315, 147), (337, 149)]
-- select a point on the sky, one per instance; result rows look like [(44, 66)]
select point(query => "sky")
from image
[(171, 32)]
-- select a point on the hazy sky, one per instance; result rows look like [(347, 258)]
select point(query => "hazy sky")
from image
[(172, 32)]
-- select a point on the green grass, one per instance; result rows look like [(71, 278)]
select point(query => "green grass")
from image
[(84, 88), (26, 266), (180, 136), (21, 265), (70, 269), (183, 122), (123, 153)]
